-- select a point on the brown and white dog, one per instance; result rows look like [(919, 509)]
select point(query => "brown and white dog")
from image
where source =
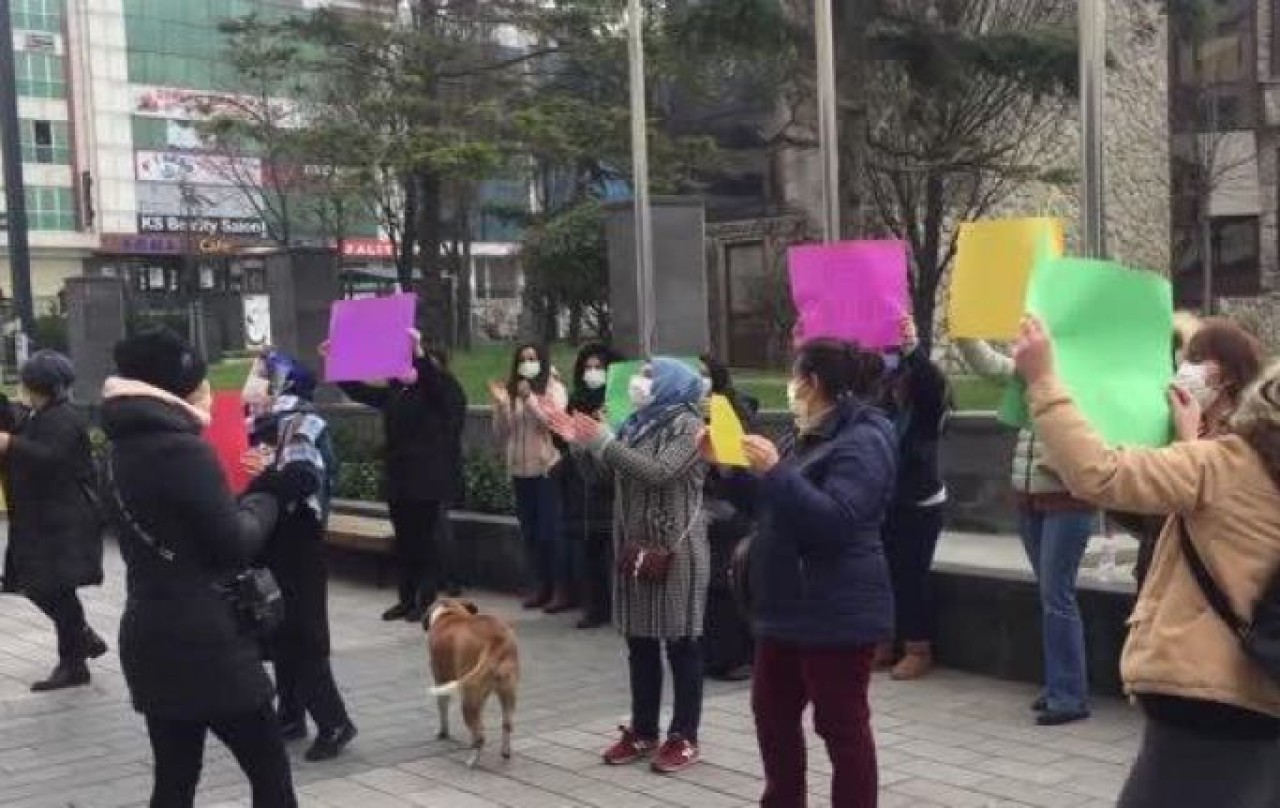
[(474, 655)]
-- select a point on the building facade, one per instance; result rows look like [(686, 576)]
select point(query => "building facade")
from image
[(118, 179)]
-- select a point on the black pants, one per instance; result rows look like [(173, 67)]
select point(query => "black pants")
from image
[(417, 553), (63, 607), (1178, 767), (685, 656), (910, 539), (254, 739), (305, 685), (597, 571)]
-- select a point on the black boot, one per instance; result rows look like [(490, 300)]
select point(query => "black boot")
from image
[(397, 612), (93, 645), (330, 742), (293, 727), (67, 674)]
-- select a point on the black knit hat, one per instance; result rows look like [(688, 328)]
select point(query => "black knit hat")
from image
[(48, 373), (160, 358)]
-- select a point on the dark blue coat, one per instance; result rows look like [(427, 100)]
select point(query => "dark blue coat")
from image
[(818, 570)]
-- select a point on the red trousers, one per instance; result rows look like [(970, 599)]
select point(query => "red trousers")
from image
[(786, 679)]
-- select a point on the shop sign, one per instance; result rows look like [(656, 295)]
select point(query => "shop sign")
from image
[(367, 248), (196, 169), (204, 225)]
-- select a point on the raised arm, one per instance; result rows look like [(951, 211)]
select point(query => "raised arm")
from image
[(985, 360), (1149, 481), (366, 394)]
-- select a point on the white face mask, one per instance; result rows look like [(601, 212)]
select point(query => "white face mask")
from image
[(798, 406), (706, 387), (1193, 377), (595, 378), (641, 391), (529, 369)]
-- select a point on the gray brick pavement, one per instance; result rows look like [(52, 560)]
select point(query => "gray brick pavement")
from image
[(952, 740)]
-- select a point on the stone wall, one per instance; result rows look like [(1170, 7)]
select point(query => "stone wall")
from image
[(976, 452)]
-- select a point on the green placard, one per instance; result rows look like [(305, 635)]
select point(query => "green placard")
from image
[(1111, 328)]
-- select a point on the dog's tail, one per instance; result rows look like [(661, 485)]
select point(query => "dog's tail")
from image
[(452, 688)]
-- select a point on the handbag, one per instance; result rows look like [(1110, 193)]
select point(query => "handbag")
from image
[(653, 564), (1260, 636), (253, 593)]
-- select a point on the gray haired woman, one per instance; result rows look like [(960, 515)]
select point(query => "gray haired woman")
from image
[(55, 537)]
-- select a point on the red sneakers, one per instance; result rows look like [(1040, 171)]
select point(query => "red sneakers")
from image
[(676, 755), (629, 748)]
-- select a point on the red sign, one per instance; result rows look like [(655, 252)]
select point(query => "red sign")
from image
[(230, 438), (367, 248)]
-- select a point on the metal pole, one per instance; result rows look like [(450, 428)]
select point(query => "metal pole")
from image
[(14, 187), (640, 178), (1093, 90), (828, 126)]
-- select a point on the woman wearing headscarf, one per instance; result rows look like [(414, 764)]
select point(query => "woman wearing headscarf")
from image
[(521, 406), (587, 494), (295, 458), (1212, 734), (660, 539), (55, 530), (191, 666)]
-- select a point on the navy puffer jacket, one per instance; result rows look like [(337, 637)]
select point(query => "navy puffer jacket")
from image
[(818, 570)]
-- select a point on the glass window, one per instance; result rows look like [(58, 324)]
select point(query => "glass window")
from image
[(40, 75), (50, 208), (47, 142), (38, 15)]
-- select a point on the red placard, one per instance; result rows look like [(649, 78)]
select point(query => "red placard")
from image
[(230, 438)]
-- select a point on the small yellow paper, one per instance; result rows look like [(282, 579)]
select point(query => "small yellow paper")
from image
[(994, 260), (727, 434)]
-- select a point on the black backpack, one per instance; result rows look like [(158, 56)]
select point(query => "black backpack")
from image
[(1260, 637)]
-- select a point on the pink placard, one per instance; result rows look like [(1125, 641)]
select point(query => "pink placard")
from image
[(853, 290), (369, 339)]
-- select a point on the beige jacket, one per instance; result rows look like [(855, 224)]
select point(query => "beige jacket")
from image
[(521, 430), (1177, 645)]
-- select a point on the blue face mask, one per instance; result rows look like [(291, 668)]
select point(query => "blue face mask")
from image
[(891, 362)]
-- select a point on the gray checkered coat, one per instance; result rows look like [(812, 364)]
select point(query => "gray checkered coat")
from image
[(659, 482)]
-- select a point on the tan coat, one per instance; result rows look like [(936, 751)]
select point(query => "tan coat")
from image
[(1177, 645)]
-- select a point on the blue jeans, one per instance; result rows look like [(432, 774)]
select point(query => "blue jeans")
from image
[(538, 509), (1055, 542)]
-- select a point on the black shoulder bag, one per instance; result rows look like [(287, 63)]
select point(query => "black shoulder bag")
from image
[(1260, 637), (253, 594)]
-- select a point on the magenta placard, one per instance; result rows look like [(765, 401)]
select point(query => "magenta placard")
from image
[(852, 290), (369, 339)]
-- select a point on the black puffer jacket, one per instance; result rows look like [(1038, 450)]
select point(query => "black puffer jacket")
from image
[(184, 656), (55, 537), (423, 424)]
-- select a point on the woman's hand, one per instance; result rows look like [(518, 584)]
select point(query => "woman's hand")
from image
[(1186, 414), (910, 336), (1033, 353), (5, 440), (705, 450), (588, 430), (762, 455), (415, 343), (498, 392), (323, 349), (562, 424)]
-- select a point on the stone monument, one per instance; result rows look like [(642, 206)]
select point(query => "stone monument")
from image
[(95, 323)]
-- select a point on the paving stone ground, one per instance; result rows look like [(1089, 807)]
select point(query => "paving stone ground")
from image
[(951, 740)]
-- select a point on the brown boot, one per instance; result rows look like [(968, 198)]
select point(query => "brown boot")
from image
[(537, 599), (916, 662), (561, 603), (883, 660)]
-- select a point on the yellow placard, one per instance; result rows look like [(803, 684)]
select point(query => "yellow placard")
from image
[(727, 434), (994, 260)]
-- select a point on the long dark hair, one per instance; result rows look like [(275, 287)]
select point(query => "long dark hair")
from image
[(842, 369), (539, 384), (582, 398)]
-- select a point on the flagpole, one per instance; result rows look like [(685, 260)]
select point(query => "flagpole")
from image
[(640, 179), (828, 127)]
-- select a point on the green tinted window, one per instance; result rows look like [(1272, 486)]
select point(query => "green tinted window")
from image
[(37, 15), (50, 208), (40, 75), (46, 142)]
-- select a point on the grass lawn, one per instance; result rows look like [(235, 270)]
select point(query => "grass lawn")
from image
[(477, 367)]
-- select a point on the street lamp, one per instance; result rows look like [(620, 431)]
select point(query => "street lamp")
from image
[(1093, 83), (14, 187), (640, 179)]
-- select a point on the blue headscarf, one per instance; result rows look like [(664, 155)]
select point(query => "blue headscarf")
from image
[(677, 388)]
